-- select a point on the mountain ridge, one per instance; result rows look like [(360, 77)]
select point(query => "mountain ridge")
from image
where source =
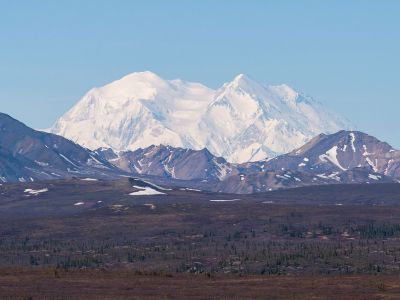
[(307, 165), (28, 155)]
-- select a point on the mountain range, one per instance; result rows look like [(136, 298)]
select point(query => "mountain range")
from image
[(241, 121), (244, 137), (342, 157)]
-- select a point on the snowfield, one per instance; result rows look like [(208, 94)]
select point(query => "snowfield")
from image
[(224, 200), (36, 192), (145, 191)]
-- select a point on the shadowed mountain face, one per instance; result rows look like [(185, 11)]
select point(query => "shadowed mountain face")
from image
[(342, 157), (342, 151), (175, 163), (284, 179), (27, 155)]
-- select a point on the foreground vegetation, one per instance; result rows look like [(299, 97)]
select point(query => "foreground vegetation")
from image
[(251, 238)]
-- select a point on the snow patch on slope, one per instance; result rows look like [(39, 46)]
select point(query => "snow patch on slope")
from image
[(331, 155), (353, 139), (145, 191), (36, 192)]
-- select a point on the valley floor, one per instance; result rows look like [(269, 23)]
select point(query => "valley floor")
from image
[(80, 239)]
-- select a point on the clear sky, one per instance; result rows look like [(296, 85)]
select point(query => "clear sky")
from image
[(344, 53)]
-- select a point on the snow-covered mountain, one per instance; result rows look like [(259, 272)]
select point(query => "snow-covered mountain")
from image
[(248, 121), (242, 121)]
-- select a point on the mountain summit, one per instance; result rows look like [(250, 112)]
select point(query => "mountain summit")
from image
[(241, 121)]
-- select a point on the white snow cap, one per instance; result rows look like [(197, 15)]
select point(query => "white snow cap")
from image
[(241, 121)]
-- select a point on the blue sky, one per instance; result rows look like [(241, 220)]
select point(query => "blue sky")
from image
[(346, 54)]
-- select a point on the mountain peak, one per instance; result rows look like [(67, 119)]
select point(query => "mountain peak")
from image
[(243, 81), (145, 75), (240, 76), (137, 78)]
